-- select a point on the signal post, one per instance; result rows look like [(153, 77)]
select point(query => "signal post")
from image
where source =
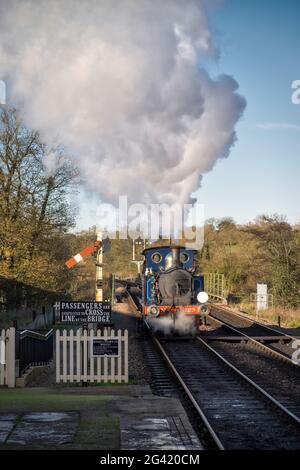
[(99, 269)]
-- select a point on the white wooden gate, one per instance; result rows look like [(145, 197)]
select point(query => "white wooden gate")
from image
[(7, 358), (75, 363)]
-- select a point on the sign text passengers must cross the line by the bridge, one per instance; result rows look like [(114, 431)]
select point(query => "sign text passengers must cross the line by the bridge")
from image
[(85, 312)]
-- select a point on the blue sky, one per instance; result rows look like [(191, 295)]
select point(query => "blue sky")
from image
[(259, 44)]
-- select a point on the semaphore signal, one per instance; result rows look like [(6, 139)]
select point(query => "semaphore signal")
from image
[(97, 247)]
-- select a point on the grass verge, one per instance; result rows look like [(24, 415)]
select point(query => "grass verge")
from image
[(97, 428), (288, 317)]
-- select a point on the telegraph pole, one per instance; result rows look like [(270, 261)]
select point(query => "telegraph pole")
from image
[(138, 263)]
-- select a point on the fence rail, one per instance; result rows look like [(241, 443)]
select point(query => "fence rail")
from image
[(214, 284), (75, 362)]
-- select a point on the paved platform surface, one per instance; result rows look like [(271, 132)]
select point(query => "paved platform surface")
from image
[(101, 417), (38, 428), (155, 423), (157, 434)]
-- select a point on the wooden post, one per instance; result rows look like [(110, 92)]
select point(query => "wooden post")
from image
[(126, 355), (71, 355), (99, 361), (112, 361), (99, 271), (65, 357), (10, 358), (121, 349), (105, 374), (84, 358), (2, 355), (57, 345), (89, 354), (78, 355)]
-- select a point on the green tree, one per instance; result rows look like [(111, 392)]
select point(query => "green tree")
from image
[(279, 245)]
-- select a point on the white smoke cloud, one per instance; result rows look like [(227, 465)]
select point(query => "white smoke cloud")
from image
[(120, 83), (182, 325)]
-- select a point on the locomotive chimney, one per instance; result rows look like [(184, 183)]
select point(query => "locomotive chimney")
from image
[(176, 257)]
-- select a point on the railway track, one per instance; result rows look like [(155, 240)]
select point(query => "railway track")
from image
[(237, 413), (133, 292), (233, 405), (235, 326)]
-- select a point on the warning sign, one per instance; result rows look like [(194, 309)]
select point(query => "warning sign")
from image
[(85, 312)]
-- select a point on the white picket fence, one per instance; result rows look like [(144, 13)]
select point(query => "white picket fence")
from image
[(74, 361), (7, 358)]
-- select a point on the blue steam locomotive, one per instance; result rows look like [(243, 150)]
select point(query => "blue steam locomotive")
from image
[(172, 293)]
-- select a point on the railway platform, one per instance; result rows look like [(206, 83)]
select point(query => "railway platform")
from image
[(98, 417), (216, 391)]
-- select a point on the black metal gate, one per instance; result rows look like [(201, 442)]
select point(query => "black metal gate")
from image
[(33, 348)]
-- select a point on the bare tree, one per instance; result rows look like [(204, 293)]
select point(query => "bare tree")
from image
[(34, 202)]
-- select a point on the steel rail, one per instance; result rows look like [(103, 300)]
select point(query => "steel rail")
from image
[(133, 299), (255, 322), (257, 343), (190, 396), (251, 382)]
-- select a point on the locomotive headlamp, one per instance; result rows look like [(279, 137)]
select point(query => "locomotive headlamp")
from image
[(154, 310), (202, 297)]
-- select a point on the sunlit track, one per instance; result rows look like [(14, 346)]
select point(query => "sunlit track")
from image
[(251, 321), (260, 389), (190, 396), (258, 332), (237, 412), (234, 410), (236, 324)]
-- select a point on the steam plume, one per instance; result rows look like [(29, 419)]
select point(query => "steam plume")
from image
[(120, 83), (183, 325)]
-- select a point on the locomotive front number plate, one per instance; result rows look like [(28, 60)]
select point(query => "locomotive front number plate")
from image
[(105, 347)]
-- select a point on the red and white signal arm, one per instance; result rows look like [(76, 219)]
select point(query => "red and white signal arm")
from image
[(86, 251)]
